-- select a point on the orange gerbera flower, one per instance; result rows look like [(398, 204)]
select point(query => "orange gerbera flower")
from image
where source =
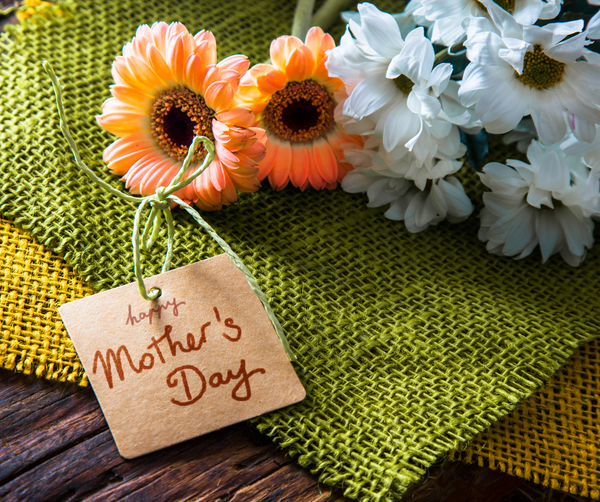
[(169, 88), (294, 100)]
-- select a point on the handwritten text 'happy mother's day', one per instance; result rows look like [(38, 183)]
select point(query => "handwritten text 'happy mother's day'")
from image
[(167, 345)]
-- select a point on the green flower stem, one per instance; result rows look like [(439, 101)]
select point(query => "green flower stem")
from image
[(160, 204), (302, 18), (329, 13), (448, 52)]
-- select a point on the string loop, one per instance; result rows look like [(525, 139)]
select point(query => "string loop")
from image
[(160, 207)]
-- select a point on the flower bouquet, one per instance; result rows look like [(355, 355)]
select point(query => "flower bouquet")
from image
[(382, 113)]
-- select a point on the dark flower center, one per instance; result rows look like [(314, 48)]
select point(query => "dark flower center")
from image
[(178, 115), (404, 83), (302, 111), (540, 71)]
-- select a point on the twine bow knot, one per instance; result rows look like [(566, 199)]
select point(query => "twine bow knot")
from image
[(160, 204)]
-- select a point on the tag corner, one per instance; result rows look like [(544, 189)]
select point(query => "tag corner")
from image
[(301, 396)]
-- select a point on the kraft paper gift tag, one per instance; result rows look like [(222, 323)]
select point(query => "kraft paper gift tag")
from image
[(202, 356)]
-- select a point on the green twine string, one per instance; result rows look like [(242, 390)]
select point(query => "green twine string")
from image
[(160, 203)]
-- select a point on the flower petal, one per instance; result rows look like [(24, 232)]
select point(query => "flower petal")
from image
[(219, 95), (279, 175), (550, 234), (207, 50), (132, 97), (124, 152), (238, 63), (416, 59), (380, 30), (296, 65), (194, 73), (266, 165), (124, 123), (237, 115), (549, 117), (177, 58), (159, 65), (313, 41), (369, 96), (216, 172), (300, 164), (325, 160)]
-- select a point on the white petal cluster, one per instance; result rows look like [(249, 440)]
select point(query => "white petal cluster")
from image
[(419, 204), (535, 82), (446, 17), (499, 80), (395, 90), (589, 150), (547, 203), (409, 107), (407, 20)]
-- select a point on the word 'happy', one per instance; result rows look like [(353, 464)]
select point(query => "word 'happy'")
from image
[(132, 319)]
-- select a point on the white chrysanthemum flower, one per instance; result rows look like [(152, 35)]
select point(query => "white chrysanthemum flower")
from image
[(441, 198), (547, 203), (447, 16), (408, 166), (407, 21), (519, 70), (394, 89)]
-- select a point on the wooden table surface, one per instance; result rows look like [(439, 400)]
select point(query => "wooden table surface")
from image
[(55, 446)]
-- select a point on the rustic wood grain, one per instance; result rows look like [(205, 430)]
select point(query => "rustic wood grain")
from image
[(55, 447)]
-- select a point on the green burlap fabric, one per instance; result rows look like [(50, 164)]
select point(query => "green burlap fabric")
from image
[(408, 345)]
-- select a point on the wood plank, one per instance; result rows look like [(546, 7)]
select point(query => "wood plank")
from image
[(455, 482), (55, 445), (43, 421), (272, 488)]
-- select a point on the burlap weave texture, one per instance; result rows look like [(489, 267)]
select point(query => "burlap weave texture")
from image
[(408, 344), (33, 284), (552, 438)]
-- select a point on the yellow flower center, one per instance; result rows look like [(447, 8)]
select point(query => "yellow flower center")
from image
[(178, 115), (507, 5), (404, 83), (302, 111), (540, 71)]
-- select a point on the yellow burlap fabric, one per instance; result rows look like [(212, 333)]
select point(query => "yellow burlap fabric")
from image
[(33, 284), (554, 437)]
